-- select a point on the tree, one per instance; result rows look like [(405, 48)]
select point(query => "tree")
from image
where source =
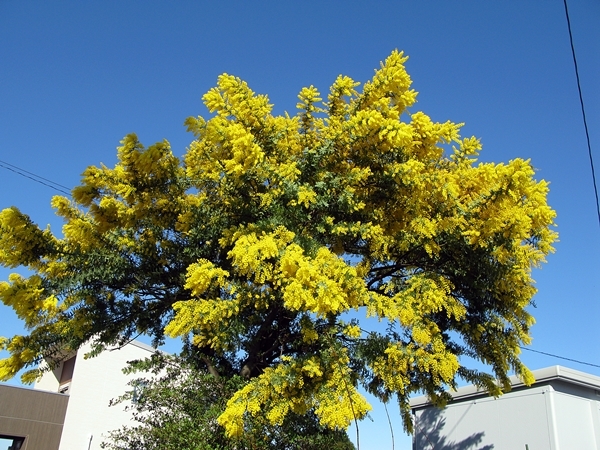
[(272, 236), (176, 404)]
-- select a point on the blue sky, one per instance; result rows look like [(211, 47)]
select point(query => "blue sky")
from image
[(75, 77)]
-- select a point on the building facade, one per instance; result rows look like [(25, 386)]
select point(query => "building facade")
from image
[(560, 411), (31, 419), (68, 408)]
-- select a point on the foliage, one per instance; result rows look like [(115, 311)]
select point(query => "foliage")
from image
[(273, 235), (176, 405)]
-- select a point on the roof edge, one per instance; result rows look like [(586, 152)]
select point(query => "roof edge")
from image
[(541, 376)]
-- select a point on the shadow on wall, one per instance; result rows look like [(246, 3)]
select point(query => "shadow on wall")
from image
[(430, 435)]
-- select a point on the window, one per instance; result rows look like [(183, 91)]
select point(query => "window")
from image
[(66, 376), (138, 391), (11, 442)]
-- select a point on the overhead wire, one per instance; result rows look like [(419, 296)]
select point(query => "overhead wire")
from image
[(560, 357), (37, 178), (587, 134)]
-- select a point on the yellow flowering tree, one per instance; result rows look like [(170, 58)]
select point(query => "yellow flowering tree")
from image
[(275, 236)]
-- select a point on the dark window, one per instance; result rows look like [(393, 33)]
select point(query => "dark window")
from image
[(11, 442), (67, 370), (66, 375)]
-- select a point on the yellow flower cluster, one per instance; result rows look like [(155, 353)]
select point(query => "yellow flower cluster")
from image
[(122, 197), (233, 97), (352, 331), (208, 320), (255, 254), (298, 385), (20, 356), (306, 196), (201, 275), (395, 365), (26, 297), (307, 329), (324, 284), (21, 242)]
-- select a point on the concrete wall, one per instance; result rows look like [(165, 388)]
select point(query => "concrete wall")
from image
[(50, 380), (553, 416), (95, 382), (577, 416), (511, 421), (36, 415)]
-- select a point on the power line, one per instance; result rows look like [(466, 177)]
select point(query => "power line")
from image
[(37, 176), (559, 357), (587, 135), (38, 179)]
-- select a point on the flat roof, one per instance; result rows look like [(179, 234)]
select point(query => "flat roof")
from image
[(141, 345), (138, 344), (541, 376), (30, 389)]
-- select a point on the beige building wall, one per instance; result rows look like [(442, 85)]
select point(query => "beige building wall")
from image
[(35, 415)]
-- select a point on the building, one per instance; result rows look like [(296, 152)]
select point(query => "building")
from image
[(31, 419), (561, 410), (68, 408)]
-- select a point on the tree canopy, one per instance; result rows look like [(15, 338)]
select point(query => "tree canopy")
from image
[(273, 237)]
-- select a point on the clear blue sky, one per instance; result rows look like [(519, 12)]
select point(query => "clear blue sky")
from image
[(75, 77)]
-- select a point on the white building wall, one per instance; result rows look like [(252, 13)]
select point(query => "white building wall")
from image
[(94, 383), (575, 422), (50, 380), (560, 412), (510, 422)]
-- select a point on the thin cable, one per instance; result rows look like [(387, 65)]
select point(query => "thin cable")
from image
[(390, 422), (587, 135), (560, 357), (49, 183), (31, 173)]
